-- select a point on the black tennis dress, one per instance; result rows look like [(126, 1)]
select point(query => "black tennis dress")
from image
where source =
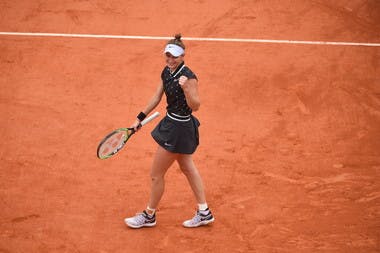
[(177, 132)]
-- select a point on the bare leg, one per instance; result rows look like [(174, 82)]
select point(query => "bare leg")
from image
[(192, 174), (163, 159)]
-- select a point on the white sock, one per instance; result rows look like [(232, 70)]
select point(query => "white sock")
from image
[(152, 211), (202, 207)]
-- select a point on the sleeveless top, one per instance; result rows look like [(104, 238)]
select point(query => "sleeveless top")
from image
[(175, 97)]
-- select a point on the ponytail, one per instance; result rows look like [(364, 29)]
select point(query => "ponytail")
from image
[(177, 41)]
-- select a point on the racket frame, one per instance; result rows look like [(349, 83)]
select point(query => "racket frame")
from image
[(128, 133)]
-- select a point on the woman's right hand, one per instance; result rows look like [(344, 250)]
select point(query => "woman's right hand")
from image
[(136, 125)]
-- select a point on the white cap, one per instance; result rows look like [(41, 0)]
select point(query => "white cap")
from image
[(174, 50)]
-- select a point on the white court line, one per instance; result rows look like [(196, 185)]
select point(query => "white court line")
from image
[(70, 35)]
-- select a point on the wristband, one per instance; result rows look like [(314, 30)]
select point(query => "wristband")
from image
[(141, 116)]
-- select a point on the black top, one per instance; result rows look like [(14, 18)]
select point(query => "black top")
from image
[(175, 97)]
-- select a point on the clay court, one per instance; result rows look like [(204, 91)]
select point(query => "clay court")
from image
[(289, 138)]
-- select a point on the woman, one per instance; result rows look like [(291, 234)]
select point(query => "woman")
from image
[(176, 134)]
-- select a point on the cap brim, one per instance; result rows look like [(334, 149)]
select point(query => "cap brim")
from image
[(174, 50)]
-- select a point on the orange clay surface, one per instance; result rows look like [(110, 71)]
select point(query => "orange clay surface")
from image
[(290, 134)]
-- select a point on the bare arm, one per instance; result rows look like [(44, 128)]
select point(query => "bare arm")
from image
[(190, 88), (155, 100), (152, 103)]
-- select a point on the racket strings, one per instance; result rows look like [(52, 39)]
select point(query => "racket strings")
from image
[(113, 143)]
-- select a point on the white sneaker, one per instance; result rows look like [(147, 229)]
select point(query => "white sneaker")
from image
[(201, 218), (141, 220)]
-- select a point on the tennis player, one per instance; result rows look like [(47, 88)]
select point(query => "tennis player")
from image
[(176, 134)]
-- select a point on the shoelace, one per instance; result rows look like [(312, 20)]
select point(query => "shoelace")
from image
[(197, 218), (139, 218)]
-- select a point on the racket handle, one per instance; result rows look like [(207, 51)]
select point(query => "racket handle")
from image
[(150, 118)]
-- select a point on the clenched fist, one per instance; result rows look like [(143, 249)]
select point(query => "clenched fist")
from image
[(182, 80)]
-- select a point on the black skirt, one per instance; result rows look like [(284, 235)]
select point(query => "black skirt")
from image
[(176, 136)]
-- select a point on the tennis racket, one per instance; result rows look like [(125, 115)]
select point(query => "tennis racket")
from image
[(115, 141)]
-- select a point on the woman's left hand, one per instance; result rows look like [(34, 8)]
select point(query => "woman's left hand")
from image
[(182, 80)]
